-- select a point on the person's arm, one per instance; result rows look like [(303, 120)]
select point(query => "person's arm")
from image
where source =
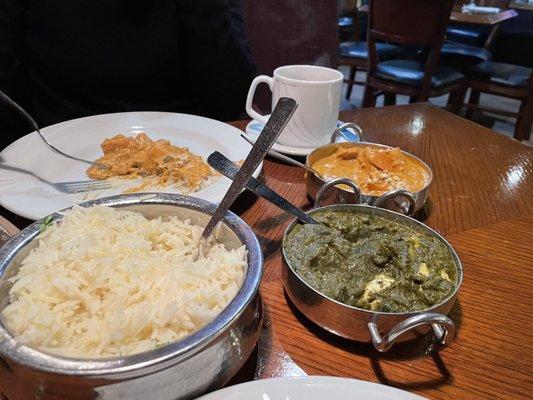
[(216, 57), (12, 13)]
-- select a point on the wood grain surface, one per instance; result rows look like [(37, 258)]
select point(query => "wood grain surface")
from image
[(521, 5), (482, 19), (481, 201), (7, 229), (459, 17)]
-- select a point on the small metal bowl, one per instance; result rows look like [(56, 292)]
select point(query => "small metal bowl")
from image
[(202, 361), (383, 329), (393, 200)]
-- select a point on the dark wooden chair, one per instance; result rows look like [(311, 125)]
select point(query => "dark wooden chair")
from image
[(346, 24), (284, 32), (462, 48), (354, 54), (505, 80), (471, 35), (412, 23), (347, 21)]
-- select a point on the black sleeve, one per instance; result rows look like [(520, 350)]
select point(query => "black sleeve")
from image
[(216, 56), (12, 33)]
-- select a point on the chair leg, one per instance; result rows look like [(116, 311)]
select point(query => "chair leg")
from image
[(456, 99), (473, 100), (368, 97), (390, 99), (353, 71), (522, 129)]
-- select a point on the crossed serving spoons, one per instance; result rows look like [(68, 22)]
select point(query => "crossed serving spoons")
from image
[(281, 114)]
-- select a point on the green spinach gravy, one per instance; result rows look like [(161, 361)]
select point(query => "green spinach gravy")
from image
[(371, 262)]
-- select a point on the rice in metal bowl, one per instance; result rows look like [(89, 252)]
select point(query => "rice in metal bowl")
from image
[(106, 282)]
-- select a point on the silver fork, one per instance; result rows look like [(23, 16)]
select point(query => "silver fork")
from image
[(64, 187), (6, 99), (81, 186)]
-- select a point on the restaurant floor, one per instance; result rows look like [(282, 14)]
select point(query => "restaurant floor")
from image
[(497, 123)]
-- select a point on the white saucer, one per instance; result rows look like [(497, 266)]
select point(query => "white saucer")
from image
[(254, 128)]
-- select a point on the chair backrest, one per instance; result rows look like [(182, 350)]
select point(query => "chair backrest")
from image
[(409, 22), (420, 22), (284, 32)]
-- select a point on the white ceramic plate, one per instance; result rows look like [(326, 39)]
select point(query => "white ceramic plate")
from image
[(254, 128), (27, 193), (310, 388)]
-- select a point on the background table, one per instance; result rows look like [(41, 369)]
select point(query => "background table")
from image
[(469, 18), (481, 201), (458, 17), (492, 20), (481, 18), (521, 5)]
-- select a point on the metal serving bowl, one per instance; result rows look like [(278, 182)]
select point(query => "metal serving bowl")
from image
[(383, 329), (314, 183), (202, 361)]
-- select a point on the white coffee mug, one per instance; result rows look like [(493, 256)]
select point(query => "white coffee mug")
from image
[(318, 93)]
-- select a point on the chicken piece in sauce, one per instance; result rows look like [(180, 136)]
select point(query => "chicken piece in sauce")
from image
[(140, 156), (375, 170)]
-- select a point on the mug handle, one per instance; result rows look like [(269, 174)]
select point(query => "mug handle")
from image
[(250, 98)]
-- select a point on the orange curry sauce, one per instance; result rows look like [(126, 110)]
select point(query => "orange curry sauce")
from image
[(128, 157), (375, 170)]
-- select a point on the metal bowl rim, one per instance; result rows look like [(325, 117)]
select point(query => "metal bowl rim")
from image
[(175, 351), (378, 210), (429, 171)]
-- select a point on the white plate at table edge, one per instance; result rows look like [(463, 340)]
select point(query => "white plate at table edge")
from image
[(180, 129), (254, 128), (310, 388)]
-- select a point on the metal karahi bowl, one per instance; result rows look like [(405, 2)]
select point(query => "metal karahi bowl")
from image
[(202, 361), (391, 200), (383, 329)]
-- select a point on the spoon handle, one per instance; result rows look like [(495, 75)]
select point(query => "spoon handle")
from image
[(277, 155), (227, 168), (275, 124), (285, 158)]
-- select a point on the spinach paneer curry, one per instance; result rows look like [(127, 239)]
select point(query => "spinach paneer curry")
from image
[(371, 262)]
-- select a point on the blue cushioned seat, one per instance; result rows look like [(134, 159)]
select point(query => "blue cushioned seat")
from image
[(346, 22), (502, 73), (411, 73), (472, 35), (452, 51), (360, 50)]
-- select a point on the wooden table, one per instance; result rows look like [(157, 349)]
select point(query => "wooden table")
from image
[(521, 5), (7, 229), (482, 19), (469, 18), (458, 17), (492, 20), (481, 201)]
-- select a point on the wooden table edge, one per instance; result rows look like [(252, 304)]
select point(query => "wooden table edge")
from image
[(459, 17), (482, 19)]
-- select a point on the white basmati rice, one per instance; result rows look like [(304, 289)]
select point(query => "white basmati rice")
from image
[(107, 283)]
